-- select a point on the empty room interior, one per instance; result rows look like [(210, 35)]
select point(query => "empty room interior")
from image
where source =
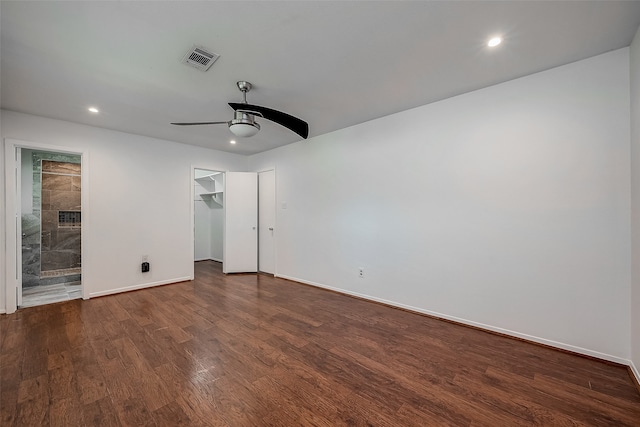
[(320, 213)]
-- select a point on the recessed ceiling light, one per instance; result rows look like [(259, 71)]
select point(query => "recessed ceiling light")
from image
[(233, 141), (495, 41), (93, 110)]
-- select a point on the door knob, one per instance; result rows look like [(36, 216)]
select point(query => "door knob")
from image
[(270, 228)]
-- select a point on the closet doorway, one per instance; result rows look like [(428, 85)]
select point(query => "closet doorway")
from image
[(208, 208), (225, 219)]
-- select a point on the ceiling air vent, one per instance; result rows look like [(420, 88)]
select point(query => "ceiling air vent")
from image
[(198, 57)]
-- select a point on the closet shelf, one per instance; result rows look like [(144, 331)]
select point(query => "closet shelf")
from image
[(216, 201), (207, 178), (210, 187)]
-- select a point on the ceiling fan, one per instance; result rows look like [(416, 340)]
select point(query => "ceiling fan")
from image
[(243, 123)]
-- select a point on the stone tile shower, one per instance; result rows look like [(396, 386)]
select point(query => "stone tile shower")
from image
[(51, 227)]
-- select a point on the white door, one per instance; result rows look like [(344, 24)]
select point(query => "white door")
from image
[(240, 223), (266, 221)]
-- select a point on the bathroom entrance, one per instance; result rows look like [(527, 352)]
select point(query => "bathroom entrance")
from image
[(51, 227)]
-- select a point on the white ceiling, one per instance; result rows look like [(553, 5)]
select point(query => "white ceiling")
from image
[(333, 64)]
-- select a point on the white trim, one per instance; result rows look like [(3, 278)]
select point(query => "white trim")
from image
[(10, 181), (141, 286), (11, 209), (508, 332), (86, 222), (192, 219), (17, 244), (207, 259), (634, 371)]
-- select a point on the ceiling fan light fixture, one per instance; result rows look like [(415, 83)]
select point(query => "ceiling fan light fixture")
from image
[(243, 125), (244, 129)]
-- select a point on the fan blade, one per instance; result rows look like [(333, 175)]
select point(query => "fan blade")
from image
[(295, 124), (200, 123)]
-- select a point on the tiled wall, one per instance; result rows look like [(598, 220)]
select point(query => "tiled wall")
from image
[(60, 192)]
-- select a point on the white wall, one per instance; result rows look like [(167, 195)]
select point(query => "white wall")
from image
[(139, 200), (635, 200), (507, 207), (217, 227)]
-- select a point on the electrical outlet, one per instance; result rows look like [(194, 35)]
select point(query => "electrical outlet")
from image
[(145, 258), (361, 272)]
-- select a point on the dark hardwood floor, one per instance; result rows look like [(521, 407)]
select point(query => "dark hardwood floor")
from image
[(251, 350)]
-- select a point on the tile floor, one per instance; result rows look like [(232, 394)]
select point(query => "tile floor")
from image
[(40, 295)]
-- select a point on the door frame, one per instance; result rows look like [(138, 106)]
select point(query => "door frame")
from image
[(275, 218), (12, 226)]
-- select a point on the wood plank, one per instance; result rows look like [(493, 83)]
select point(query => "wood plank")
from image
[(62, 378), (33, 402), (66, 412), (133, 412), (172, 414), (100, 413)]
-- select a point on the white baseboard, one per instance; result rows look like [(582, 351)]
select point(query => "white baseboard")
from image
[(503, 331), (634, 371), (140, 286), (3, 311), (207, 259)]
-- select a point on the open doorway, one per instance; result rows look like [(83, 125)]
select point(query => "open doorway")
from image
[(225, 219), (208, 200), (50, 226)]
